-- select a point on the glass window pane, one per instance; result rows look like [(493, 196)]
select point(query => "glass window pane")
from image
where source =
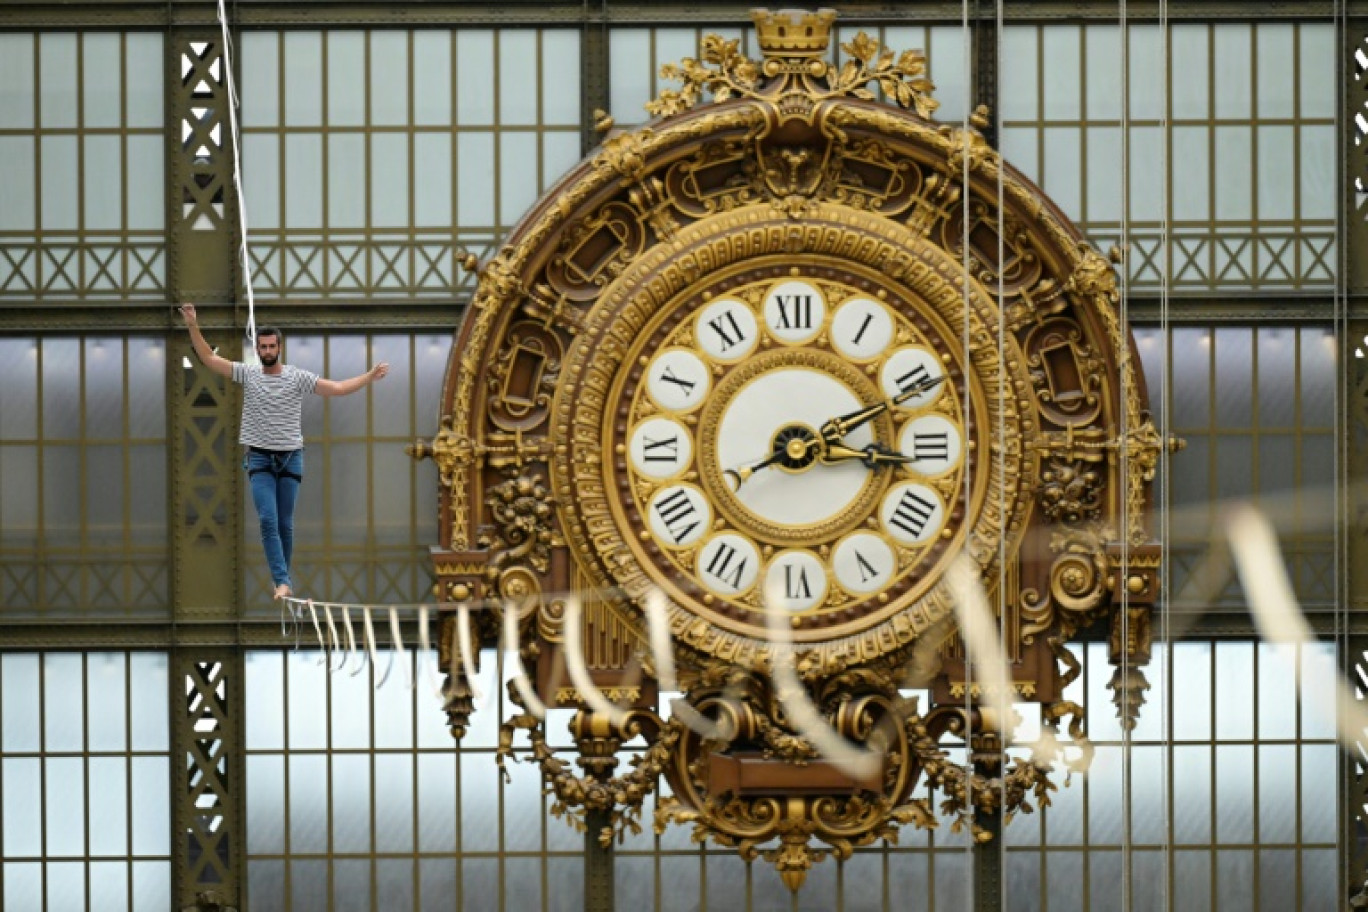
[(517, 79), (1063, 72), (64, 805), (1234, 696), (1232, 68), (1190, 68), (1277, 160), (22, 792), (104, 387), (475, 180), (1316, 80), (1234, 378), (303, 78), (474, 87), (265, 804), (945, 64), (108, 806), (63, 702), (264, 684), (306, 694), (1020, 59), (106, 697), (104, 474), (145, 101), (517, 176), (145, 174), (151, 806), (61, 498), (432, 164), (1102, 79), (1317, 174), (259, 53), (389, 77), (1191, 182), (1104, 175), (148, 717), (560, 77), (346, 180), (1146, 174), (151, 885), (60, 185), (16, 81), (1234, 187), (109, 885), (1063, 170), (18, 388), (261, 176), (629, 53), (432, 77), (308, 803), (57, 79), (389, 180), (17, 191), (1146, 62), (1274, 48), (303, 181), (102, 83)]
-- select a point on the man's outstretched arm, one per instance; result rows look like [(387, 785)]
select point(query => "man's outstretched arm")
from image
[(327, 387), (215, 362)]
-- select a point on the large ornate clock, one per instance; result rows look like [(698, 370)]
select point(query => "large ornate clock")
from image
[(781, 355)]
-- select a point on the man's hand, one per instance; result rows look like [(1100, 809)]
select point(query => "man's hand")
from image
[(378, 372), (188, 312)]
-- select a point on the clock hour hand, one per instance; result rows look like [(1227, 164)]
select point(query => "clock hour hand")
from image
[(872, 455), (834, 430)]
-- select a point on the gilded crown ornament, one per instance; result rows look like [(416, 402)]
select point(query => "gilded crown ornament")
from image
[(715, 427)]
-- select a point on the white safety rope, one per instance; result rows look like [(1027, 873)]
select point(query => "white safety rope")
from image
[(243, 255)]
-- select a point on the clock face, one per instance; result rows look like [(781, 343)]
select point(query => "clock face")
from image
[(790, 438)]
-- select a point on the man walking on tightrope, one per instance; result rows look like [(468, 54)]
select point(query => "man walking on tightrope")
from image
[(272, 404)]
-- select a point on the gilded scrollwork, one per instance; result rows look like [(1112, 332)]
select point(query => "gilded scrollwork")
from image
[(523, 512), (523, 377)]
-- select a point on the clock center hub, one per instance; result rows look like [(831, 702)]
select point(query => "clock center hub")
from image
[(798, 443)]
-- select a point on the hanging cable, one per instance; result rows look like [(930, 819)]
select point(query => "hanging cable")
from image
[(243, 255), (1165, 700), (1123, 438), (967, 636)]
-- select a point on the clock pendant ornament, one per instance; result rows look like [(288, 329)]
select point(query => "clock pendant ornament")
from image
[(740, 363)]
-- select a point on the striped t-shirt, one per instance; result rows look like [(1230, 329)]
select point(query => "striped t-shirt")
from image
[(272, 404)]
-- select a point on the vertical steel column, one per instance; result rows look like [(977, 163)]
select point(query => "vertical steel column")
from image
[(205, 521), (207, 846), (599, 884), (988, 856), (594, 75)]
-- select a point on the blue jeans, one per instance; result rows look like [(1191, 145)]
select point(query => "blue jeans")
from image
[(275, 479)]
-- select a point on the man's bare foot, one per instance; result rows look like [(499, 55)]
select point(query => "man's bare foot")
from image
[(282, 591)]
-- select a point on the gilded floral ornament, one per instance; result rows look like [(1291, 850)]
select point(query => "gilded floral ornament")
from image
[(792, 74)]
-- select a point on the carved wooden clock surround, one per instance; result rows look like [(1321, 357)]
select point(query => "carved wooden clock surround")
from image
[(579, 456)]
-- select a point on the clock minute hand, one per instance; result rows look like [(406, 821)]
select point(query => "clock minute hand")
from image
[(836, 429)]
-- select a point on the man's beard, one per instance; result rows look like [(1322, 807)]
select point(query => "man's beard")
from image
[(269, 360)]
